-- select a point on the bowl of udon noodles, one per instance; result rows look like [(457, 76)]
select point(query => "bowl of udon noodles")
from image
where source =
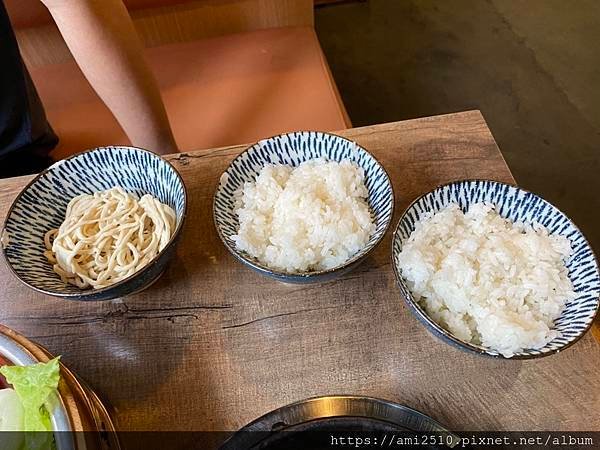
[(99, 225)]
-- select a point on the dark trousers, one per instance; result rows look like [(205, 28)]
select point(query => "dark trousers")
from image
[(26, 137)]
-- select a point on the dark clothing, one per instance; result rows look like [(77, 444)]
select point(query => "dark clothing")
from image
[(26, 138)]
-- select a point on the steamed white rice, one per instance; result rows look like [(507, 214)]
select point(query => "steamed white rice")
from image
[(311, 217), (486, 280)]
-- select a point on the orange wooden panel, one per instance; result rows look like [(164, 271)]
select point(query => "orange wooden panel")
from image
[(41, 42), (219, 91)]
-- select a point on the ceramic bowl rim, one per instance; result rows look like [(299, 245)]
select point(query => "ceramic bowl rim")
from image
[(96, 292), (444, 334), (315, 273)]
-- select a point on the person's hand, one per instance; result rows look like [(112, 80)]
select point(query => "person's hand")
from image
[(165, 148)]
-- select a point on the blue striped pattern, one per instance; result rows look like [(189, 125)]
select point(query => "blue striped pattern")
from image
[(293, 149), (517, 205), (42, 205)]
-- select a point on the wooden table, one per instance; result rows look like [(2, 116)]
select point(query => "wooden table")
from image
[(213, 345)]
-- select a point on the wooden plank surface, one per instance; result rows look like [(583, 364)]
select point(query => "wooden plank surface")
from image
[(235, 345)]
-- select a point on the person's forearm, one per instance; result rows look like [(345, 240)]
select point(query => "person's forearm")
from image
[(106, 47)]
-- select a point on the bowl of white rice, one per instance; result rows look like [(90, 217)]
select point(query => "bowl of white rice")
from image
[(496, 270), (303, 207)]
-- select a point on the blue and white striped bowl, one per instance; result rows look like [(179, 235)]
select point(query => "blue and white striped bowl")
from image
[(293, 149), (41, 206), (520, 205)]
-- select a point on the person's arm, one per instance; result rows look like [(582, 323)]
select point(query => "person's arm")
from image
[(105, 45)]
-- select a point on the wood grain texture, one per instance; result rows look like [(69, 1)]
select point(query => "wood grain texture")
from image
[(235, 345), (184, 22)]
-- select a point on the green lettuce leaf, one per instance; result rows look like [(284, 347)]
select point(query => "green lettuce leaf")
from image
[(34, 384)]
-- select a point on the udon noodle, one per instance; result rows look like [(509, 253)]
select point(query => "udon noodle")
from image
[(107, 237)]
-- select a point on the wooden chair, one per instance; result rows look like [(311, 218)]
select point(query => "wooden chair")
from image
[(230, 72)]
